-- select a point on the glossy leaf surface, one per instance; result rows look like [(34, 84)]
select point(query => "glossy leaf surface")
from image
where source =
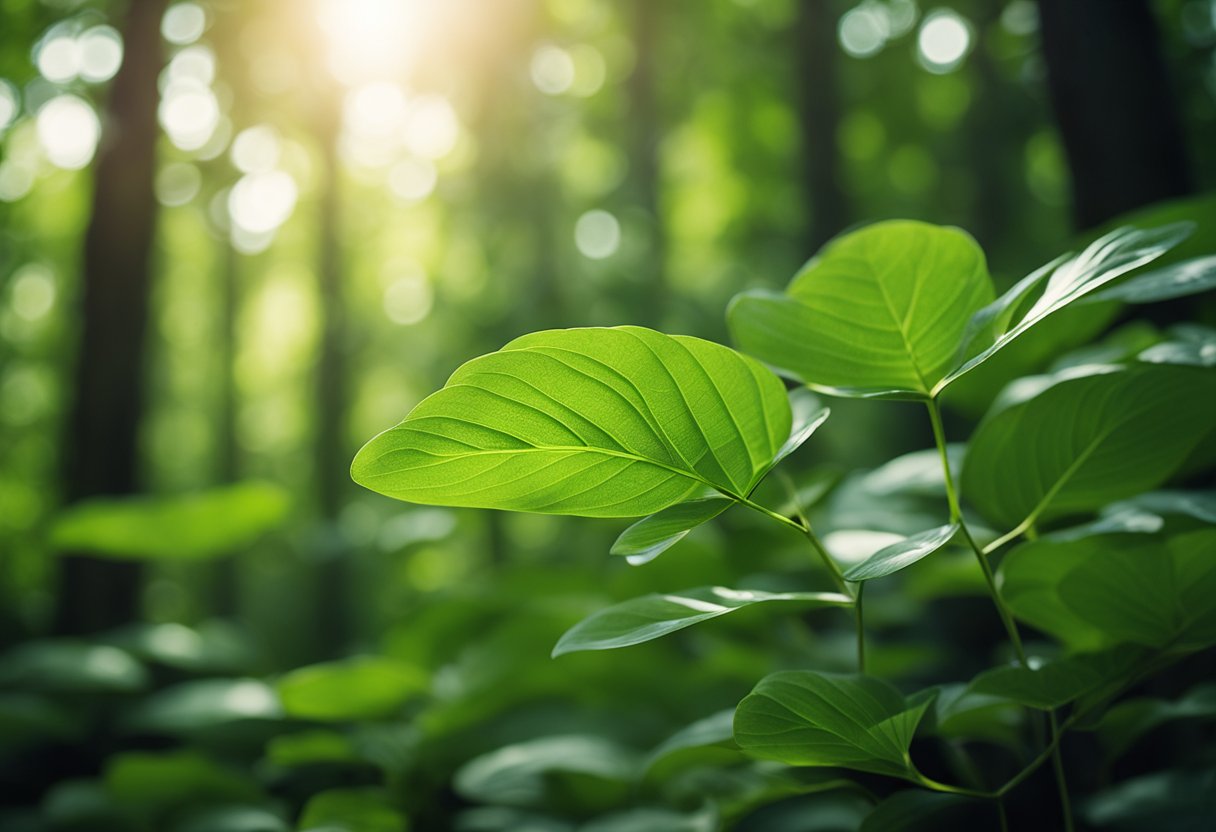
[(1077, 440), (598, 422), (878, 311), (807, 718), (897, 556), (653, 616)]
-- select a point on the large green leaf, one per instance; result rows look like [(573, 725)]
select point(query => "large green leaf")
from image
[(1190, 277), (1099, 590), (924, 811), (653, 616), (196, 526), (363, 687), (615, 422), (1076, 440), (522, 774), (352, 810), (807, 718), (206, 703), (63, 665), (1047, 685), (879, 311), (1149, 594), (1068, 279), (714, 730)]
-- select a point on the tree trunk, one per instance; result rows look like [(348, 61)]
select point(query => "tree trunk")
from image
[(101, 447), (645, 135), (1114, 106), (817, 87)]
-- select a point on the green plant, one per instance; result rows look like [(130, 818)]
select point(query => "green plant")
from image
[(1053, 498)]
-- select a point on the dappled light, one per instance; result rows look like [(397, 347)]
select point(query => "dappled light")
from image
[(607, 415)]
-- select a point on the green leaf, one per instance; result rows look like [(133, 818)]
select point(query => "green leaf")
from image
[(206, 524), (653, 616), (231, 819), (1177, 280), (1171, 801), (1150, 594), (616, 422), (1048, 685), (306, 747), (806, 416), (206, 703), (917, 810), (651, 536), (1095, 591), (1129, 720), (878, 312), (903, 554), (714, 730), (364, 687), (1069, 279), (650, 820), (155, 783), (352, 810), (1188, 344), (1076, 440), (63, 665), (519, 775), (806, 718)]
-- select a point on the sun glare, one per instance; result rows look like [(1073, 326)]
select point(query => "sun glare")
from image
[(370, 38)]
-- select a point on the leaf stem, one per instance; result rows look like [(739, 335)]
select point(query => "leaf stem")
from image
[(803, 525), (1057, 764), (861, 632)]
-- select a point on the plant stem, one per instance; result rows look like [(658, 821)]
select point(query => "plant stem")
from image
[(1057, 764), (1000, 813), (1011, 627), (804, 526), (861, 633)]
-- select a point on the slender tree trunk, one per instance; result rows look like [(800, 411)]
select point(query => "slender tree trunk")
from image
[(645, 137), (1112, 100), (817, 87), (332, 457), (101, 448)]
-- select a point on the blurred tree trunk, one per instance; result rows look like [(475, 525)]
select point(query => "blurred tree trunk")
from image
[(817, 87), (101, 449), (1114, 106), (332, 457), (645, 136)]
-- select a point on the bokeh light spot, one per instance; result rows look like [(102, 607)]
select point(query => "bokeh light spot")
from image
[(58, 58), (260, 202), (413, 179), (68, 130), (432, 129), (256, 149), (408, 300), (178, 183), (863, 30), (944, 40), (552, 69), (183, 23), (597, 234), (10, 104), (100, 54)]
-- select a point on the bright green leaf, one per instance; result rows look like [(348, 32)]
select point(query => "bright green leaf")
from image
[(206, 703), (197, 526), (879, 311), (807, 718), (651, 536), (1068, 279), (365, 687), (1077, 440), (903, 554), (597, 422), (154, 783), (653, 616)]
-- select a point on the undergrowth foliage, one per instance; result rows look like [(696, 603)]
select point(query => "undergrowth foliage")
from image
[(1053, 499)]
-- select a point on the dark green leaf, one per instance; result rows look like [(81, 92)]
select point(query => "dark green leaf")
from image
[(206, 703), (1177, 801), (1048, 685), (1080, 439), (1131, 719), (903, 554), (878, 312), (808, 718), (653, 616), (516, 775), (615, 422), (716, 729), (71, 666), (916, 810), (197, 526)]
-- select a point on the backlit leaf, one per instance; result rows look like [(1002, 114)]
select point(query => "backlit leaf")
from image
[(598, 422), (878, 312), (364, 687), (903, 554), (653, 616)]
